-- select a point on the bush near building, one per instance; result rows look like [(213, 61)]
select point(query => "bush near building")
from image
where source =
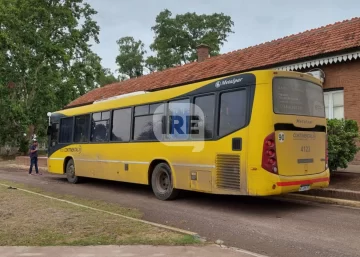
[(342, 142)]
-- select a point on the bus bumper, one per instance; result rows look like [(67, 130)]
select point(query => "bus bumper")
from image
[(55, 166), (299, 184), (277, 185)]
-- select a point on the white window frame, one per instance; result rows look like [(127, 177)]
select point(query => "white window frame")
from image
[(331, 104)]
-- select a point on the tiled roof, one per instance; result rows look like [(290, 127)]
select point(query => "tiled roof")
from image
[(321, 41)]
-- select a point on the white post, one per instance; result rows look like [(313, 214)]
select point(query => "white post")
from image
[(49, 115)]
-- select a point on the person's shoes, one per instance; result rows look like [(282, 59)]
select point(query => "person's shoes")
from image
[(31, 174)]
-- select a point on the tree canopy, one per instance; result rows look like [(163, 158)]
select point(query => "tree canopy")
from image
[(175, 42), (45, 61), (131, 57)]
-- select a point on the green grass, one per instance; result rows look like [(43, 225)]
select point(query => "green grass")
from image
[(110, 207), (31, 220)]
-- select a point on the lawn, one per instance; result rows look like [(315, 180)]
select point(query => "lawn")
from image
[(31, 220)]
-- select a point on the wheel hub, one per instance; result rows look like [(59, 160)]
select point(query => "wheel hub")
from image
[(71, 171), (163, 182)]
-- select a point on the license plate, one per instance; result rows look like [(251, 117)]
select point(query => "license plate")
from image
[(304, 188)]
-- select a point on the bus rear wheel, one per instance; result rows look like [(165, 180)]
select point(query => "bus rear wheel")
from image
[(162, 183), (70, 172)]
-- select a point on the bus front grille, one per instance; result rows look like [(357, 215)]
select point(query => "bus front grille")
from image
[(228, 171)]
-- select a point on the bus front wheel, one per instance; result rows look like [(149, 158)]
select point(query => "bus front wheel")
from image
[(70, 172), (162, 183)]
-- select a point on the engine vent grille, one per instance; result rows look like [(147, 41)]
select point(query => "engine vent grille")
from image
[(228, 171)]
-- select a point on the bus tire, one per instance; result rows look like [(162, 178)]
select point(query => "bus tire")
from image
[(162, 183), (70, 172)]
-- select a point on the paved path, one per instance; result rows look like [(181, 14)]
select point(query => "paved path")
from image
[(121, 251), (352, 169), (265, 226)]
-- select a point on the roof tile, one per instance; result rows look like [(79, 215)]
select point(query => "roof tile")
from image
[(324, 40)]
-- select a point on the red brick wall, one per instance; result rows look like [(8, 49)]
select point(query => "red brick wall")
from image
[(202, 53), (347, 76)]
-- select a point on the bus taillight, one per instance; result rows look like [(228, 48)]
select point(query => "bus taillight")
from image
[(269, 162)]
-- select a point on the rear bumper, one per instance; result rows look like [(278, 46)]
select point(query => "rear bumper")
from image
[(293, 184), (276, 185)]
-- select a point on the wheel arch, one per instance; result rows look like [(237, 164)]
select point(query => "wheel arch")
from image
[(156, 162), (66, 160)]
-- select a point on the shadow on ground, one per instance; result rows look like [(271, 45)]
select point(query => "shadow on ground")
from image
[(228, 203)]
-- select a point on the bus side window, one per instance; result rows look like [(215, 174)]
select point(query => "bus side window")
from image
[(232, 111), (179, 113), (148, 122), (204, 113), (81, 132), (100, 126), (121, 125), (66, 129), (54, 129)]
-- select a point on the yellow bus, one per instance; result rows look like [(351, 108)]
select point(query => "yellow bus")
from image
[(264, 133)]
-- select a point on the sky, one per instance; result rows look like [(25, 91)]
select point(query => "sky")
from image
[(255, 21)]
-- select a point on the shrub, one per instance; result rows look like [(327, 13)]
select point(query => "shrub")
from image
[(24, 146), (342, 137)]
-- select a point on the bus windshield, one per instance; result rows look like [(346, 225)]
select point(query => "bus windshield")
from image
[(293, 96)]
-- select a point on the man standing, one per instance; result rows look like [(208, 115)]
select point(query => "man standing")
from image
[(34, 157)]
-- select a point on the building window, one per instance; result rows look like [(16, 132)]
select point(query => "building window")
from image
[(334, 104)]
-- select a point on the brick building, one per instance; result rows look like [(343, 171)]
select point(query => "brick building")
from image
[(332, 50)]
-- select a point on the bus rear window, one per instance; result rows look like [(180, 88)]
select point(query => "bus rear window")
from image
[(298, 97)]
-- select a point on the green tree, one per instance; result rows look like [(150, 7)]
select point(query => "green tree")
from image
[(176, 38), (175, 42), (45, 58), (131, 57), (13, 116), (89, 73), (107, 77), (342, 139)]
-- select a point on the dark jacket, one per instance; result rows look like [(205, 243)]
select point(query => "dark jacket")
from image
[(34, 154)]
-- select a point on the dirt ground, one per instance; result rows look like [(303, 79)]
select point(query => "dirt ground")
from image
[(345, 180), (266, 226)]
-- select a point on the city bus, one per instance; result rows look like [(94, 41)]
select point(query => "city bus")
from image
[(264, 134)]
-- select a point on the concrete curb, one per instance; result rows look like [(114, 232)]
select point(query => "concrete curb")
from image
[(319, 199), (125, 250), (235, 249), (334, 193)]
